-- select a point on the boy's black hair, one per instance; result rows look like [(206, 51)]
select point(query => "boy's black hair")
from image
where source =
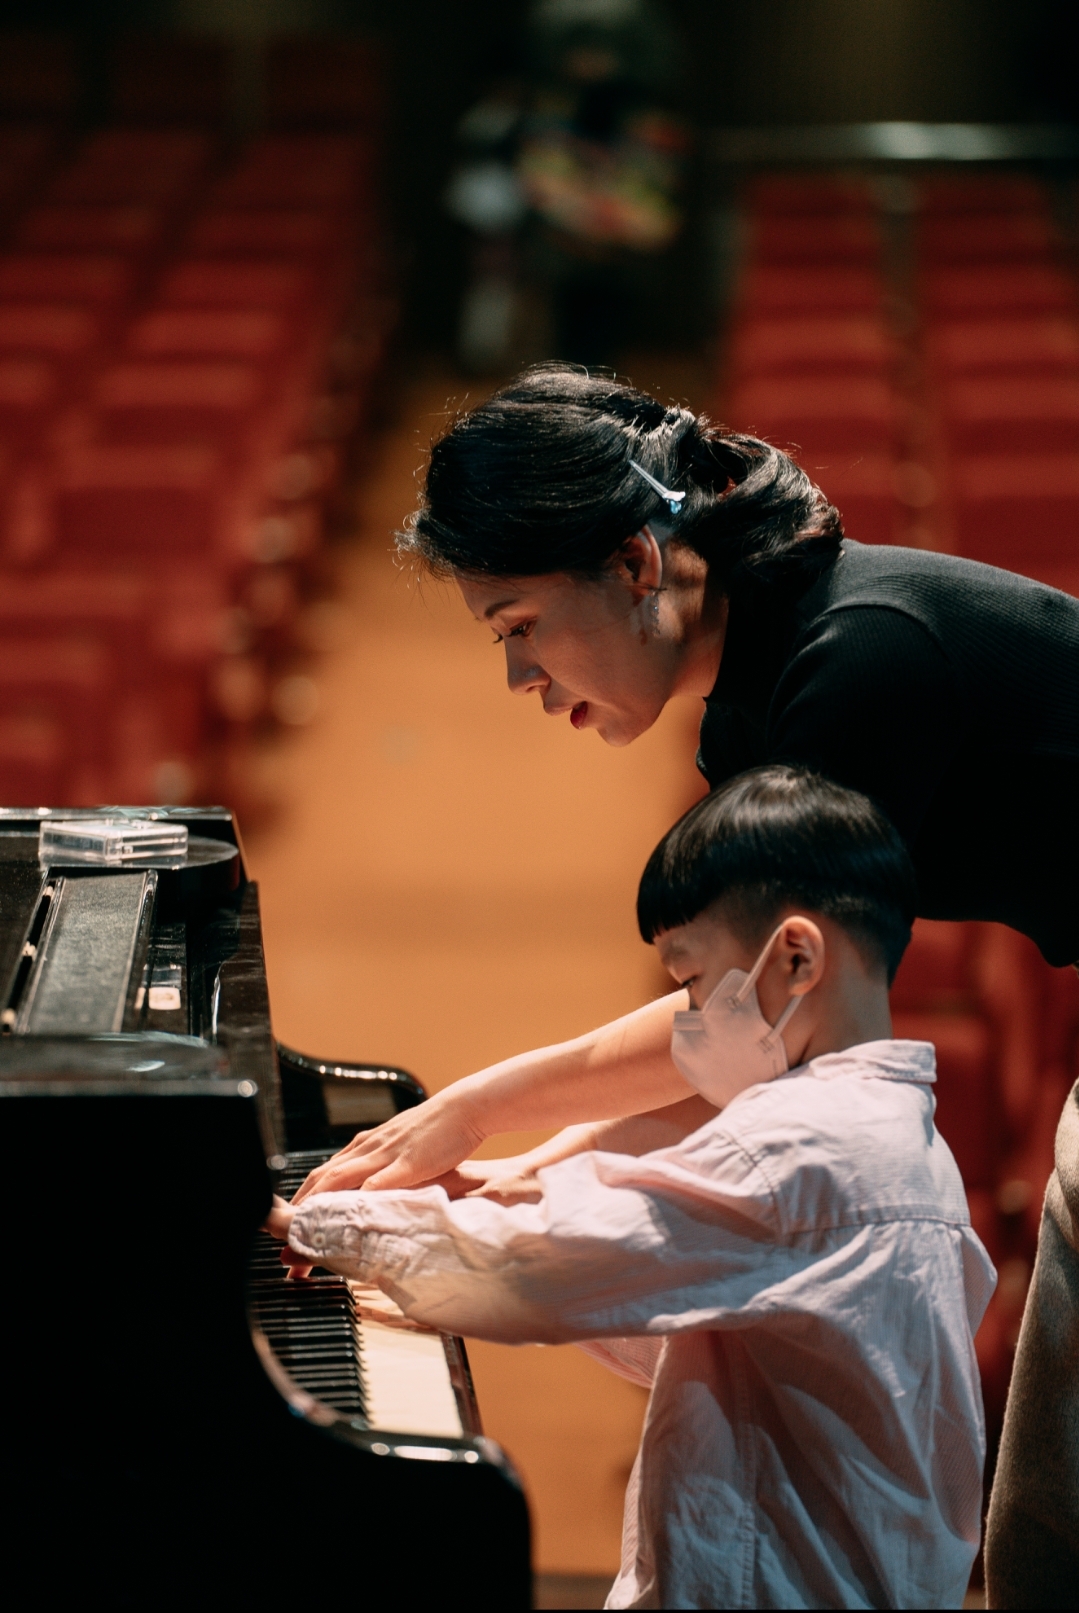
[(778, 837)]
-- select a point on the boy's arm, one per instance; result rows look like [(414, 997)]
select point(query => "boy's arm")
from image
[(624, 1068), (615, 1247)]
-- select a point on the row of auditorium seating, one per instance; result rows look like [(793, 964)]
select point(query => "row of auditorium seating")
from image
[(1000, 347), (997, 338), (922, 361), (306, 81), (187, 340), (813, 357)]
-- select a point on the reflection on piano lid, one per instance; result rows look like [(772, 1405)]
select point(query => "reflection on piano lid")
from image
[(191, 1429)]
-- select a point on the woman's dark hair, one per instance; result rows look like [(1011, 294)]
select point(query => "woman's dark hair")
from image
[(780, 836), (538, 479)]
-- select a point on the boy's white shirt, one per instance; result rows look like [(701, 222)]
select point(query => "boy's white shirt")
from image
[(799, 1283)]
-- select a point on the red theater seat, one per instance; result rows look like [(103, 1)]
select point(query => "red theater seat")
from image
[(114, 502), (981, 193), (91, 227), (165, 625), (935, 998), (850, 238), (937, 968), (301, 234), (209, 283), (969, 1113), (812, 194), (1018, 511), (135, 166), (856, 342), (864, 491), (1012, 414), (242, 333), (986, 237), (1010, 288), (214, 403), (821, 413), (34, 759), (69, 277), (25, 152), (115, 604), (784, 288), (55, 330), (1035, 343), (63, 681), (29, 391), (298, 171)]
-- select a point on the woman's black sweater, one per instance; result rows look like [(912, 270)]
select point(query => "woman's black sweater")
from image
[(948, 692)]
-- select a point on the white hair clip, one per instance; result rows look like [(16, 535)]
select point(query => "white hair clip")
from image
[(673, 499)]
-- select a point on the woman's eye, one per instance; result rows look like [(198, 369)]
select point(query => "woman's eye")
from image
[(522, 630)]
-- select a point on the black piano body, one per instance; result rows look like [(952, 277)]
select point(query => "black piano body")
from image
[(160, 1448)]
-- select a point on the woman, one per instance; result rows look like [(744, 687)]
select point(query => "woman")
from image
[(624, 553)]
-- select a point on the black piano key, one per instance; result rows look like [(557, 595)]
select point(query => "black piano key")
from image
[(311, 1325)]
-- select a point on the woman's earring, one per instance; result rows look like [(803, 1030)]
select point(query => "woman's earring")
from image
[(655, 613)]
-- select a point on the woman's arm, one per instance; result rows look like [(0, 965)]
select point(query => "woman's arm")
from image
[(635, 1134), (621, 1069)]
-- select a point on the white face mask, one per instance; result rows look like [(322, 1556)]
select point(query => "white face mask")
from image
[(728, 1045)]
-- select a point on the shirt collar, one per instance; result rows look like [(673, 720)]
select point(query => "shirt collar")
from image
[(893, 1060)]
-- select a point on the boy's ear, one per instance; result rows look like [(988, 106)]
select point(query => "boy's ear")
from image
[(803, 950)]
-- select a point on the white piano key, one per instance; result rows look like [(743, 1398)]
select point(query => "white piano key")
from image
[(407, 1382)]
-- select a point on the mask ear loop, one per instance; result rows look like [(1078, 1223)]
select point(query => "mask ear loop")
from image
[(751, 980)]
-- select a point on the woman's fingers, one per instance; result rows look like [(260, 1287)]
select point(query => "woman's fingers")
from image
[(368, 1152), (339, 1173), (418, 1146)]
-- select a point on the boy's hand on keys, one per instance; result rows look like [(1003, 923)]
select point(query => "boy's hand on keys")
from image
[(277, 1224)]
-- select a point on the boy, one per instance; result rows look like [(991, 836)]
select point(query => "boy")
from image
[(786, 1260)]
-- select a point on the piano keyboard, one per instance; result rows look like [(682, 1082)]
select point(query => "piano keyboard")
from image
[(325, 1331)]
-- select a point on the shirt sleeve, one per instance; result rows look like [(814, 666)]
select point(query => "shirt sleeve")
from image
[(617, 1247), (870, 699), (633, 1359)]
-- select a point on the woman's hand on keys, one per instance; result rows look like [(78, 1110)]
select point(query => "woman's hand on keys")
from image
[(411, 1150)]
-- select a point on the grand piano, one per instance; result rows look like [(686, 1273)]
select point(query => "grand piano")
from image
[(184, 1427)]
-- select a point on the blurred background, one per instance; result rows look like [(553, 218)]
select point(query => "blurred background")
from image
[(253, 254)]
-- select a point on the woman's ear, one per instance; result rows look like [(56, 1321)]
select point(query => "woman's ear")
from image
[(640, 562)]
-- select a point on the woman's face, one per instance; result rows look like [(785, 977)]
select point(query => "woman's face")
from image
[(589, 647)]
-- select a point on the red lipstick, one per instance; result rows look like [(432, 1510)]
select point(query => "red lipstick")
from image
[(579, 713)]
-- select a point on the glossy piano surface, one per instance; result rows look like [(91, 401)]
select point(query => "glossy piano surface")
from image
[(191, 1430)]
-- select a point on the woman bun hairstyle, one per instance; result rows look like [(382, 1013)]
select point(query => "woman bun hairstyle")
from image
[(555, 471)]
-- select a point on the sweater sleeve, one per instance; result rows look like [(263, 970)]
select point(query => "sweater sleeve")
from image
[(869, 698)]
